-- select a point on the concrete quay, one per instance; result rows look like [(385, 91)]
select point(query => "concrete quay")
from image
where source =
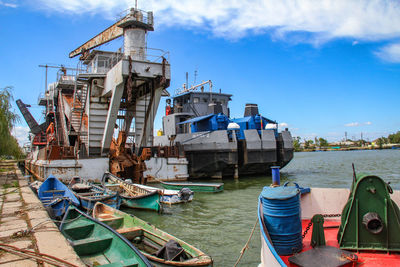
[(21, 211)]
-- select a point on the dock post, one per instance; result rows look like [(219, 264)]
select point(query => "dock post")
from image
[(236, 173), (276, 179)]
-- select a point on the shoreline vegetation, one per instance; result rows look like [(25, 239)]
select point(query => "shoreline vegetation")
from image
[(9, 148), (392, 141)]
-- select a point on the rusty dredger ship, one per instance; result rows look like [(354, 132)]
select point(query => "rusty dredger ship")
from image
[(99, 117), (91, 112)]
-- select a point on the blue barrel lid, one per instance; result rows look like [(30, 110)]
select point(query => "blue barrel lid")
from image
[(281, 192)]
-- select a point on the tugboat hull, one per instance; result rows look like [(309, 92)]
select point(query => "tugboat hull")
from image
[(215, 155)]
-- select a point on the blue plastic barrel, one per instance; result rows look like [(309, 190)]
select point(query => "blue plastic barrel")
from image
[(282, 217)]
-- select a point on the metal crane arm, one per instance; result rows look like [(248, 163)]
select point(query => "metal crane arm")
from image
[(109, 34)]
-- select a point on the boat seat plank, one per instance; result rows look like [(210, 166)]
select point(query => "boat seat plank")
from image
[(114, 222), (129, 230), (49, 198), (82, 228), (54, 191), (88, 194), (91, 245)]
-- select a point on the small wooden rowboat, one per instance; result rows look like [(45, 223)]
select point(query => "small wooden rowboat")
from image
[(168, 196), (98, 244), (56, 196), (150, 240), (132, 196), (89, 193), (195, 187)]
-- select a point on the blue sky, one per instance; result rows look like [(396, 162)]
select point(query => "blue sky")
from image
[(319, 68)]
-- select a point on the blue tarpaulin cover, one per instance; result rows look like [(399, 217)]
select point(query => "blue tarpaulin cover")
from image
[(197, 119)]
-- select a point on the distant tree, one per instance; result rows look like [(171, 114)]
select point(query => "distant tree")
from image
[(323, 142), (308, 143), (296, 143), (8, 144), (394, 138), (380, 141), (316, 141)]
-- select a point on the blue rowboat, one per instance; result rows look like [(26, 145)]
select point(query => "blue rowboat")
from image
[(132, 196), (56, 196), (89, 194)]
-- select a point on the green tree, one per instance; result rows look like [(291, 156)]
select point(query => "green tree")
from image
[(316, 140), (323, 142), (296, 143), (380, 141), (394, 138), (8, 144), (308, 143)]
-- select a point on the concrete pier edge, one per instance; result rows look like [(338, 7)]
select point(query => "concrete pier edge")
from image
[(46, 237)]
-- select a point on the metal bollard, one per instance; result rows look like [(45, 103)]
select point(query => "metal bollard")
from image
[(276, 179)]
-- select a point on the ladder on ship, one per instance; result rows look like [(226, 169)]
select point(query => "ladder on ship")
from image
[(78, 110)]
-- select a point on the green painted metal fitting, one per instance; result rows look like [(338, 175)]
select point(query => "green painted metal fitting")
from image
[(318, 235), (370, 219)]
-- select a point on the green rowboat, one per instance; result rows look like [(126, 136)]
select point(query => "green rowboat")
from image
[(132, 196), (195, 187), (98, 244), (149, 239)]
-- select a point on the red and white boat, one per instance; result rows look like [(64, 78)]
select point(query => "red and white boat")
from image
[(361, 226)]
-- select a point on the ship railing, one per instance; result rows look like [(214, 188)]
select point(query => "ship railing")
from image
[(103, 63), (40, 139), (156, 55), (139, 15), (68, 75)]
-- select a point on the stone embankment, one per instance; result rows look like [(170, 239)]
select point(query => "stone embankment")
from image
[(28, 237)]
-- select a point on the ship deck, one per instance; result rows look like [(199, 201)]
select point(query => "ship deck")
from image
[(366, 258)]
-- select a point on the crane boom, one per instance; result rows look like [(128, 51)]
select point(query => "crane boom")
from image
[(109, 34)]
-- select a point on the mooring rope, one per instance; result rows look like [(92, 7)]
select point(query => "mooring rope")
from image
[(36, 255), (247, 244)]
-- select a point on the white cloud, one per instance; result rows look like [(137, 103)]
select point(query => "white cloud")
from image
[(12, 5), (352, 124), (390, 53), (283, 125), (21, 134), (356, 124), (307, 21)]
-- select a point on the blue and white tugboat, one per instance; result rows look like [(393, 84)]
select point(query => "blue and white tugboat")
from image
[(216, 145)]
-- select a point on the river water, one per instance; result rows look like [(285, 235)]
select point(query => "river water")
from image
[(219, 224)]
